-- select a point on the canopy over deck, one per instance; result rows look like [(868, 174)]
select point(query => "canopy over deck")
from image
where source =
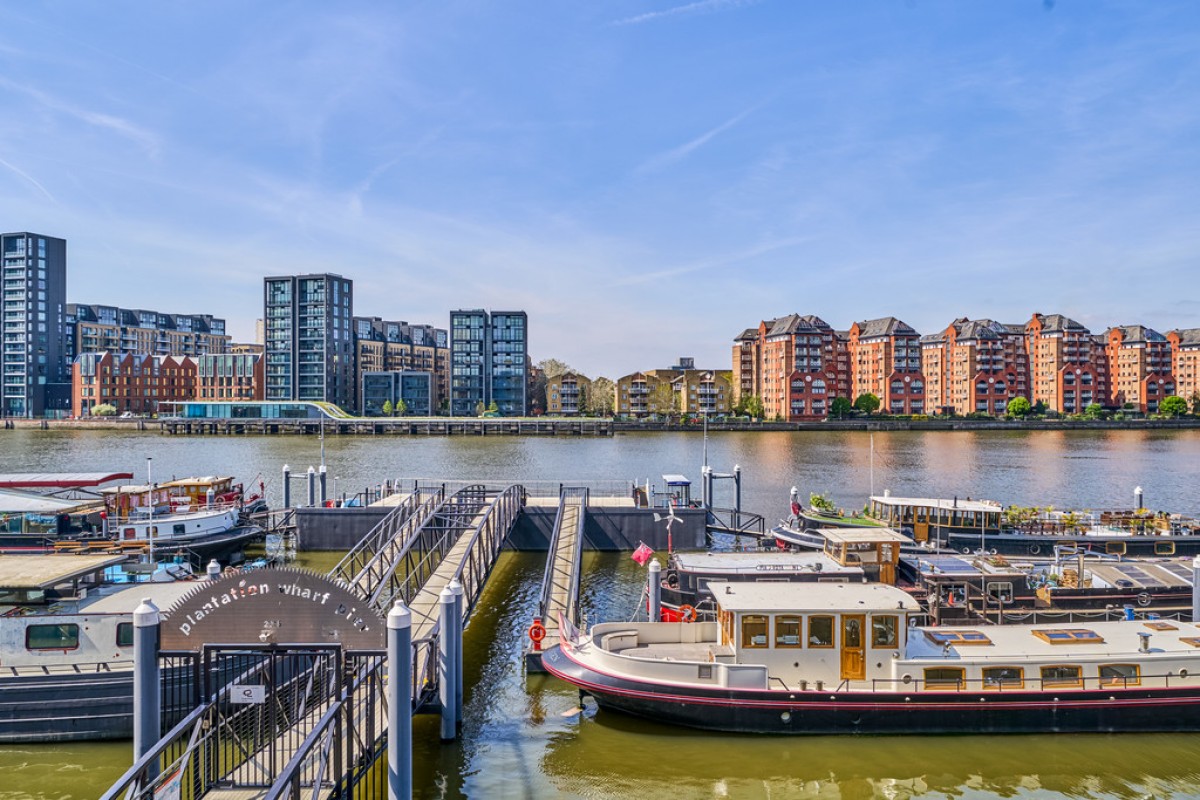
[(59, 480), (943, 504), (29, 503), (862, 535), (45, 571)]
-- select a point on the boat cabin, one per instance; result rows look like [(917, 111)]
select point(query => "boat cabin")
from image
[(816, 634), (189, 494), (921, 515), (875, 550), (127, 502)]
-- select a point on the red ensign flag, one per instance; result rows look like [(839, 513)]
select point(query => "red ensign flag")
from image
[(642, 554)]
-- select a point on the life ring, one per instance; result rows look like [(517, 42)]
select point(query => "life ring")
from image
[(687, 613), (1143, 599), (966, 551), (537, 632), (1034, 549), (672, 580), (992, 551)]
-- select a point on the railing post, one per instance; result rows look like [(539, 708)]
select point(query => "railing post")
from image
[(147, 705), (655, 590), (399, 699), (737, 490), (447, 661), (323, 477), (457, 588)]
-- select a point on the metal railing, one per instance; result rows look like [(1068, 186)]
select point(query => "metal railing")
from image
[(561, 578), (738, 523), (533, 489), (373, 559)]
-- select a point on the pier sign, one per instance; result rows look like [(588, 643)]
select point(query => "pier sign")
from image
[(273, 606), (248, 694)]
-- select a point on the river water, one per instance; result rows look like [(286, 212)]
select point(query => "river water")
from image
[(526, 737)]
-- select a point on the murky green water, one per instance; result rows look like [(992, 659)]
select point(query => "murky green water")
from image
[(524, 737)]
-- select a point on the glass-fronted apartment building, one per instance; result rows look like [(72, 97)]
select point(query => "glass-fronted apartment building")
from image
[(488, 358), (309, 345), (414, 387), (35, 367)]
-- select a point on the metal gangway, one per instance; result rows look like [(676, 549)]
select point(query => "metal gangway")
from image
[(322, 732), (560, 582)]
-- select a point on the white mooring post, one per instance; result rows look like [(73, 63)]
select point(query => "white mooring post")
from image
[(655, 590), (323, 477), (213, 570), (287, 486), (457, 588), (147, 707), (312, 486), (1196, 590), (447, 661), (1139, 499), (399, 697)]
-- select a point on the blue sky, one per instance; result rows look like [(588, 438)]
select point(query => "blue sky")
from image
[(646, 179)]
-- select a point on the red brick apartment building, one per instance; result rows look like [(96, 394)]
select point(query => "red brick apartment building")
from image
[(1068, 366), (1139, 367), (1185, 361), (130, 382), (795, 364), (230, 376), (974, 366), (885, 360)]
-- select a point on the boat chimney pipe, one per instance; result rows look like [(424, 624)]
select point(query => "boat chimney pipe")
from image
[(214, 570), (1196, 590), (655, 591), (1144, 647)]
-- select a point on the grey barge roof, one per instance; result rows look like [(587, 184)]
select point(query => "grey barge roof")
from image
[(773, 597), (765, 564), (59, 480), (14, 502), (45, 571)]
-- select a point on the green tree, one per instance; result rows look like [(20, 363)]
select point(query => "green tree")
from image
[(1196, 402), (387, 408), (753, 407), (552, 367), (1095, 411), (840, 407), (600, 397), (401, 408), (1173, 406), (104, 410), (1019, 407), (867, 403)]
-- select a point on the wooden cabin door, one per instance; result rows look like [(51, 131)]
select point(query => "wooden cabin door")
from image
[(854, 661)]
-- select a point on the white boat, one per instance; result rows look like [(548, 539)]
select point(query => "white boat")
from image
[(161, 519), (843, 658), (66, 644)]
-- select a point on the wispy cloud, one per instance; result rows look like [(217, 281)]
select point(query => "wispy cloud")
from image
[(684, 150), (29, 178), (726, 260), (122, 127), (688, 9)]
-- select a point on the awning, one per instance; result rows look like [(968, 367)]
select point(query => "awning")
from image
[(45, 571), (29, 503), (59, 480)]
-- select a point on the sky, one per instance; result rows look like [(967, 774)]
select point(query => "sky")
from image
[(646, 178)]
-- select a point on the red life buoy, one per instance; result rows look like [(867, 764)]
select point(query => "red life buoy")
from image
[(537, 632), (687, 613)]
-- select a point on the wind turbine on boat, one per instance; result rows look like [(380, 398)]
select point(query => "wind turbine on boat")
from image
[(670, 519)]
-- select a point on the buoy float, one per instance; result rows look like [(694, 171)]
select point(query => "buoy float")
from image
[(687, 613), (537, 632)]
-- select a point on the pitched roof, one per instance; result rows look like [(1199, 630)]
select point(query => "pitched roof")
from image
[(1188, 336), (886, 326), (1058, 322), (795, 323), (1137, 334)]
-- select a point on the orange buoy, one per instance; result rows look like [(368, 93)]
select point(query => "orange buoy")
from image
[(537, 632), (687, 613)]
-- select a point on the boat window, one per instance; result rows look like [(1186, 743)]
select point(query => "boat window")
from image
[(945, 678), (944, 636), (1120, 675), (1164, 548), (52, 637), (852, 634), (124, 634), (1003, 677), (1069, 636), (883, 631), (754, 630), (1001, 590), (789, 631), (1115, 548), (179, 529), (1194, 641), (820, 631), (1062, 675)]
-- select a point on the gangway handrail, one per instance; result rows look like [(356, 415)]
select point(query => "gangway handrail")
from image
[(380, 570), (131, 781), (545, 613), (368, 548)]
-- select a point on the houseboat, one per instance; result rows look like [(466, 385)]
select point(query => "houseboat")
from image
[(843, 658), (66, 645), (969, 526)]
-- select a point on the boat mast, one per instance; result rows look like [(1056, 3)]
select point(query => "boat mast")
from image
[(872, 465), (150, 525)]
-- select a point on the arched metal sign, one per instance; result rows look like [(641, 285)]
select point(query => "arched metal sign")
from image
[(273, 606)]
